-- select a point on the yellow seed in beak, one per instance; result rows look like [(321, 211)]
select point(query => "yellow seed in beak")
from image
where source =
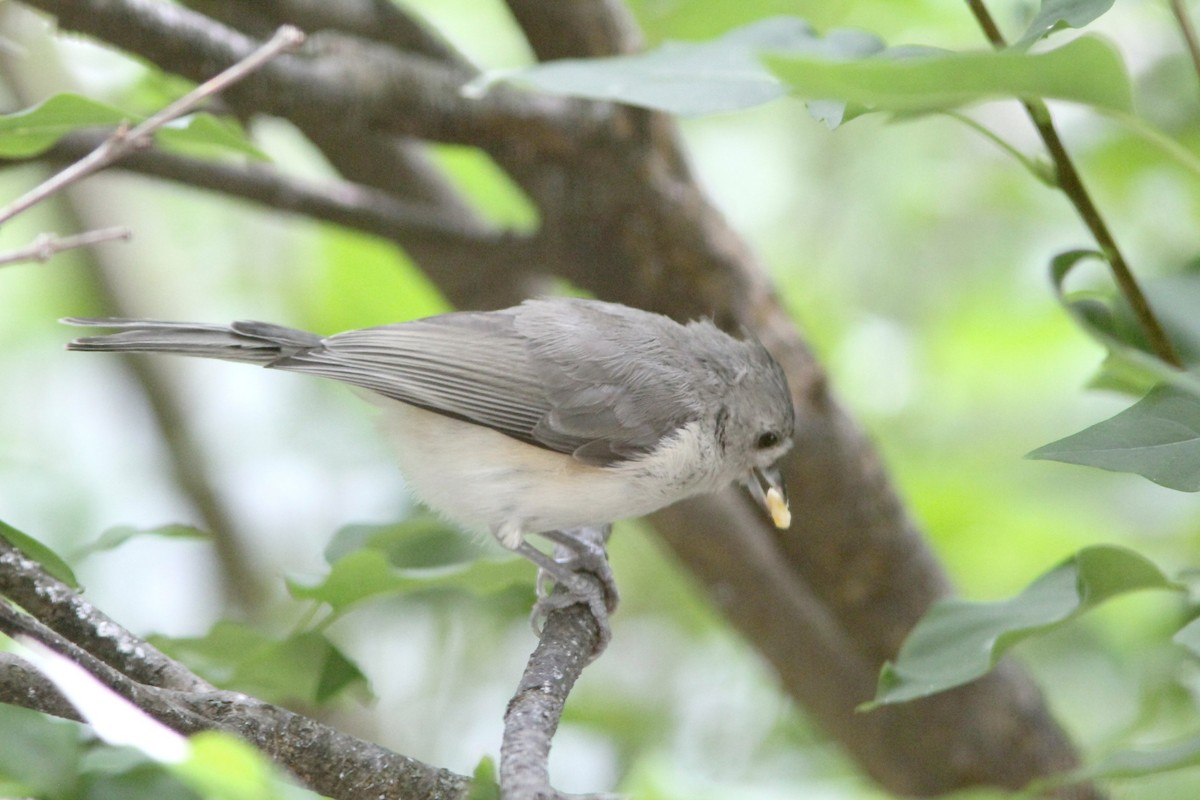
[(778, 507)]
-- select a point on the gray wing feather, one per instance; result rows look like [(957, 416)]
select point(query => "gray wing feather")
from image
[(579, 377), (600, 381), (466, 365), (617, 378)]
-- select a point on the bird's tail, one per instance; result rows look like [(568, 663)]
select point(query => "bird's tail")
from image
[(251, 342)]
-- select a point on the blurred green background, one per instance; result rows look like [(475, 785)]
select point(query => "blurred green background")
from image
[(914, 255)]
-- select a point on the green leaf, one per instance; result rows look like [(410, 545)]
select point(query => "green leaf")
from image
[(201, 134), (223, 767), (484, 785), (692, 78), (116, 536), (218, 767), (1158, 438), (1129, 363), (1174, 299), (50, 561), (337, 674), (958, 641), (143, 780), (1189, 636), (419, 554), (421, 542), (1177, 754), (305, 668), (38, 755), (1057, 14), (27, 133), (366, 574), (1087, 70)]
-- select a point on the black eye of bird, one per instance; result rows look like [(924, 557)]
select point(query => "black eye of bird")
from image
[(767, 440)]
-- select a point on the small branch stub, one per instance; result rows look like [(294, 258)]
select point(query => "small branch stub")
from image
[(47, 245)]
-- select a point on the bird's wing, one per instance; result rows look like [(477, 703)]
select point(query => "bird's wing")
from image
[(618, 380), (543, 373), (467, 365)]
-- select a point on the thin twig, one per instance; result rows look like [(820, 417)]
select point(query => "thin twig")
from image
[(984, 18), (1072, 185), (1037, 169), (126, 140), (1189, 32), (46, 245)]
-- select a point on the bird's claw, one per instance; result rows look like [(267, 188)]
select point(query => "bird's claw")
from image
[(578, 574)]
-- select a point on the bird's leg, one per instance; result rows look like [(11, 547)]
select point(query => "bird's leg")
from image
[(583, 550), (575, 552)]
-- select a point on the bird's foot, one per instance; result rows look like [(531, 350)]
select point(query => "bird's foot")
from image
[(580, 574), (583, 550)]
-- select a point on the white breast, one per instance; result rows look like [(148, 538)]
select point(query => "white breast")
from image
[(484, 480)]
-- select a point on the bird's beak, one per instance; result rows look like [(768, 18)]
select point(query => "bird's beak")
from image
[(766, 487)]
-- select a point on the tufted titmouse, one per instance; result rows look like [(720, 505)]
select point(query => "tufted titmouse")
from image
[(552, 415)]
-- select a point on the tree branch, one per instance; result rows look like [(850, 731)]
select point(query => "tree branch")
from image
[(21, 684), (579, 29), (568, 639), (47, 245), (379, 21), (343, 203), (327, 761), (461, 254), (400, 167), (62, 610), (361, 84)]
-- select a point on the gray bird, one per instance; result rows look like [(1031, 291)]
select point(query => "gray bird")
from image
[(550, 416)]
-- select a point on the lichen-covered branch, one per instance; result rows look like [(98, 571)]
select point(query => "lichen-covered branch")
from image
[(328, 761)]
